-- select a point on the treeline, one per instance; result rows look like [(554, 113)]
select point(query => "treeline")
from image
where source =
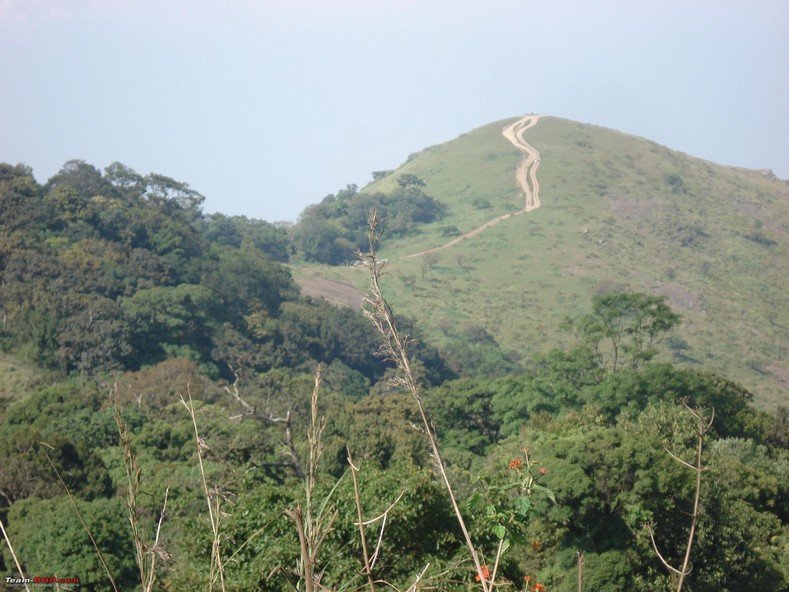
[(105, 271), (333, 230)]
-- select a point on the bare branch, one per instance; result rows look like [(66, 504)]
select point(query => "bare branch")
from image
[(385, 512), (703, 425), (156, 550), (413, 586), (649, 528), (249, 410), (679, 460), (233, 391), (379, 543), (499, 552)]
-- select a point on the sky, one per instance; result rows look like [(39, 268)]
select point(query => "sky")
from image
[(267, 106)]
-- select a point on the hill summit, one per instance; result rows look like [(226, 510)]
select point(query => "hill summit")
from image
[(615, 212)]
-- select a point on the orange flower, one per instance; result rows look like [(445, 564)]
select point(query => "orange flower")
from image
[(515, 464), (527, 579), (538, 588), (543, 471), (485, 573), (536, 545)]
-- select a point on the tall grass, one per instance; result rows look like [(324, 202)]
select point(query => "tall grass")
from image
[(213, 498), (146, 554)]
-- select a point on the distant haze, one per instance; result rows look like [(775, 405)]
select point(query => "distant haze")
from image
[(265, 107)]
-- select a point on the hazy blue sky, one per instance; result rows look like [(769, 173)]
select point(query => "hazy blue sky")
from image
[(267, 106)]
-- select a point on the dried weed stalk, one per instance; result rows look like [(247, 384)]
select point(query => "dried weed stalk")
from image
[(395, 347), (312, 525), (358, 500), (213, 498), (145, 554)]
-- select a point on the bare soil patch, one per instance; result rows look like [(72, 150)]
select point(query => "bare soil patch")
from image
[(780, 373), (679, 297), (333, 291)]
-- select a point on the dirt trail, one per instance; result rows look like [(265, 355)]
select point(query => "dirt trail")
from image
[(526, 175)]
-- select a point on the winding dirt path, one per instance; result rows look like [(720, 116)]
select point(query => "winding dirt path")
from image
[(526, 175)]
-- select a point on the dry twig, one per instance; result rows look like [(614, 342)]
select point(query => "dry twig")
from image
[(145, 556), (358, 500), (313, 526)]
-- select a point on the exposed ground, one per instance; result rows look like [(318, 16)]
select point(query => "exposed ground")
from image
[(336, 292)]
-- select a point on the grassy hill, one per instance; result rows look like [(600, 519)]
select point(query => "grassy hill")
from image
[(618, 212)]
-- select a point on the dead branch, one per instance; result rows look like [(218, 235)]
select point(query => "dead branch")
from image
[(250, 410)]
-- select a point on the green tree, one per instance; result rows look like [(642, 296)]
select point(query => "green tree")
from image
[(164, 318), (124, 178), (63, 547), (85, 179), (624, 330)]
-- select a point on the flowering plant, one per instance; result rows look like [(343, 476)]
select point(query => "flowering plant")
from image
[(506, 501)]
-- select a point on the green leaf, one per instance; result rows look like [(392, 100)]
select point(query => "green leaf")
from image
[(522, 506), (500, 531), (544, 490), (475, 501)]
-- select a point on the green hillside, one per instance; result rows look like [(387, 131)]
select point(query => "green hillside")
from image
[(618, 212)]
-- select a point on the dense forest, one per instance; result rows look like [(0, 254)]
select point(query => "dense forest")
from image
[(175, 365), (116, 271)]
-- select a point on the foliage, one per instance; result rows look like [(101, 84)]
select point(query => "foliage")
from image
[(625, 329), (336, 228), (69, 552), (143, 276), (235, 231)]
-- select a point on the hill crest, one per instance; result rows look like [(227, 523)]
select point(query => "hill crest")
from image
[(618, 212)]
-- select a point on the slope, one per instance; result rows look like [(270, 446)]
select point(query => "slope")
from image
[(617, 212)]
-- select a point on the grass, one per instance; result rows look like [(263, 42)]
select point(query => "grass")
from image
[(618, 212)]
